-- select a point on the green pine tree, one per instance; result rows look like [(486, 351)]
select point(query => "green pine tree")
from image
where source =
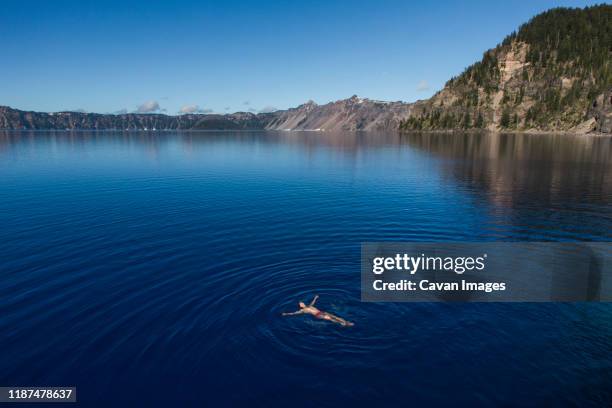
[(505, 119), (479, 121)]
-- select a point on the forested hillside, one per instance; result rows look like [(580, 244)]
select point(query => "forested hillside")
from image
[(554, 73)]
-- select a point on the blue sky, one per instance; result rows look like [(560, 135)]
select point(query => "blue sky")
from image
[(227, 56)]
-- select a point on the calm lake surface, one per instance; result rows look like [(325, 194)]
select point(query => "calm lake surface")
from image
[(150, 269)]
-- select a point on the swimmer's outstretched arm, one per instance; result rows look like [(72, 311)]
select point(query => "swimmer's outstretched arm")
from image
[(314, 300), (293, 313)]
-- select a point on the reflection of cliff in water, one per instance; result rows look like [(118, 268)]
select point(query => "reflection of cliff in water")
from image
[(509, 168), (342, 141), (514, 168)]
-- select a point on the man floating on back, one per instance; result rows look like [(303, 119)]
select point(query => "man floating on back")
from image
[(312, 310)]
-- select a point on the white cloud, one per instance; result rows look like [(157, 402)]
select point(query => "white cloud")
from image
[(190, 109), (268, 109), (194, 109), (121, 112), (422, 86), (149, 107)]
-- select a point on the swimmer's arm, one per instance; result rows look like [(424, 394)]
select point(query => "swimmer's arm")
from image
[(314, 300), (293, 313)]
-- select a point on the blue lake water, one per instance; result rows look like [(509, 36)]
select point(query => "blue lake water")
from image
[(150, 269)]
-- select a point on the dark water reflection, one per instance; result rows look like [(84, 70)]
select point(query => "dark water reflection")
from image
[(553, 167), (159, 263), (537, 180)]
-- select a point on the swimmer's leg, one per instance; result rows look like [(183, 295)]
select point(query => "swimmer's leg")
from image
[(326, 316), (340, 320)]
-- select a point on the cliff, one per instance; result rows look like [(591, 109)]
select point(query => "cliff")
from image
[(17, 119), (348, 114), (554, 74)]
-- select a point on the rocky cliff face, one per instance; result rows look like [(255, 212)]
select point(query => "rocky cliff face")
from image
[(348, 114), (554, 74), (17, 119), (600, 112)]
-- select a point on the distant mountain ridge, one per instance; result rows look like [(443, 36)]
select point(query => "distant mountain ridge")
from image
[(348, 114), (553, 74), (16, 119), (354, 113)]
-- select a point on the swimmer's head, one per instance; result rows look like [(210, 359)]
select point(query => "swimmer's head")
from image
[(302, 305)]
